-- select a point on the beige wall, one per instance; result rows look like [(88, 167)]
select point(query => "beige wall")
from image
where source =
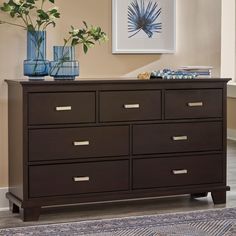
[(198, 43)]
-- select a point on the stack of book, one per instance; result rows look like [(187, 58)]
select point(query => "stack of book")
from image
[(200, 71)]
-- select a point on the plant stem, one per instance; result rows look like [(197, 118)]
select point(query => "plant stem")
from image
[(9, 23), (25, 22), (31, 22)]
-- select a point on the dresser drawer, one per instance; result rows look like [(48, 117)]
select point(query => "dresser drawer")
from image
[(195, 103), (178, 171), (64, 179), (130, 105), (69, 143), (177, 137), (61, 108)]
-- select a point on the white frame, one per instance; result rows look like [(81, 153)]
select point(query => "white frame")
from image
[(117, 38)]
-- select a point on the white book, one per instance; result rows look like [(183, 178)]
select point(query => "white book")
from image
[(196, 67)]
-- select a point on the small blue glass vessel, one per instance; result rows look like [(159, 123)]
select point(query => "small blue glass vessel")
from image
[(36, 66), (64, 65)]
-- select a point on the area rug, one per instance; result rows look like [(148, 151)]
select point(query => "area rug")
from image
[(220, 222)]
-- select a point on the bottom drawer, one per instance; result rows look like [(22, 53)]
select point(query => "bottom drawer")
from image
[(177, 171), (64, 179)]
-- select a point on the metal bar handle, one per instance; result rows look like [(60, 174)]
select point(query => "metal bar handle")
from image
[(131, 106), (81, 179), (195, 104), (81, 143), (180, 138), (64, 108), (180, 172)]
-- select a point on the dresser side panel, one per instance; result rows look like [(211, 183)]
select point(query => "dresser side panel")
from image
[(15, 138)]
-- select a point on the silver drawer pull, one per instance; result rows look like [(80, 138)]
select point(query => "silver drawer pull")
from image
[(65, 108), (81, 179), (131, 106), (195, 104), (81, 143), (180, 138), (180, 172)]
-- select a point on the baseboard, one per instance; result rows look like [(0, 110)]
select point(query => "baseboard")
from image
[(231, 134), (4, 204)]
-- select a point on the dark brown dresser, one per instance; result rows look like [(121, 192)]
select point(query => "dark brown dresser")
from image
[(96, 140)]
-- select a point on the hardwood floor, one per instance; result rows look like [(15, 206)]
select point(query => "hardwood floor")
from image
[(124, 209)]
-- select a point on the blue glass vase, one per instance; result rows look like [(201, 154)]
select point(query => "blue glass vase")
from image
[(64, 65), (36, 66)]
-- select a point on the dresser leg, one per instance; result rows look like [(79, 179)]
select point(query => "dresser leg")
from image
[(219, 197), (199, 195), (13, 207), (30, 214)]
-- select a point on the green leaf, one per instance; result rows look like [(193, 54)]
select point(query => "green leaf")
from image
[(85, 48), (6, 7), (12, 14), (53, 11), (85, 24), (31, 1), (52, 1), (90, 42), (42, 14), (74, 42), (57, 15)]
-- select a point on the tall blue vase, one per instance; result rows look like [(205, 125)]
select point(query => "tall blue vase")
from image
[(64, 65), (36, 66)]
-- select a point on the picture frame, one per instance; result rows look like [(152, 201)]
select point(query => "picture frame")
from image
[(143, 26)]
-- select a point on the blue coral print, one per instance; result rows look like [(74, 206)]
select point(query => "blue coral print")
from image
[(143, 17)]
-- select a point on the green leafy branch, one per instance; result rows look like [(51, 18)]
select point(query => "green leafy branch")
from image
[(87, 36), (24, 9)]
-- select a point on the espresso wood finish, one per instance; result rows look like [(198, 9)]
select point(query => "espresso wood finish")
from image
[(130, 105), (195, 103), (177, 137), (96, 140), (55, 144), (66, 179), (61, 108), (176, 171)]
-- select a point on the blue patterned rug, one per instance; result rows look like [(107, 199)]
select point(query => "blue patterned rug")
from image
[(220, 222)]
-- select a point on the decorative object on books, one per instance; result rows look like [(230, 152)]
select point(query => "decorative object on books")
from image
[(64, 65), (143, 26), (36, 64), (144, 75), (219, 222), (172, 74)]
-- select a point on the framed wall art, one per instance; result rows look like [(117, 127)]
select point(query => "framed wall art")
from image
[(143, 26)]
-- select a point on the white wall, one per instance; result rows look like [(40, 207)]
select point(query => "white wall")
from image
[(228, 39)]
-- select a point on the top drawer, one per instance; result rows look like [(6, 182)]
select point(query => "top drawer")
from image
[(130, 105), (194, 103), (61, 108)]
